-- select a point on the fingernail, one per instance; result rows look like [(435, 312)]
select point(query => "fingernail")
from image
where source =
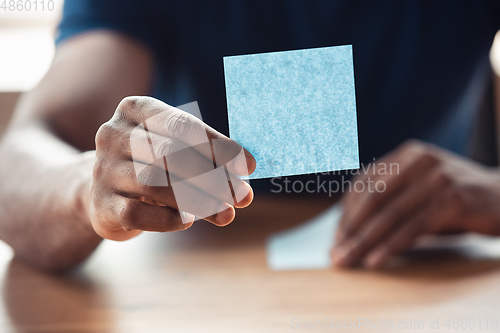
[(225, 215), (247, 153), (241, 194), (186, 217), (238, 165), (251, 163)]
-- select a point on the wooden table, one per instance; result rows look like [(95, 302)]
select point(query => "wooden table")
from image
[(211, 279)]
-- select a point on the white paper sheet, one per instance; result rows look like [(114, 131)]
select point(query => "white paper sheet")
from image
[(306, 246)]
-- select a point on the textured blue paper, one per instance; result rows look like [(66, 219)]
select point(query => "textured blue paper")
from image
[(295, 111)]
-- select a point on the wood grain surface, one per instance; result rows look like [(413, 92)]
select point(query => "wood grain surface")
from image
[(211, 279)]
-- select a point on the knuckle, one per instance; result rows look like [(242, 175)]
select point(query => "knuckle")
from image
[(410, 145), (106, 134), (131, 103), (428, 156), (128, 213), (423, 149), (429, 159), (443, 178), (138, 145), (146, 177), (178, 124), (153, 183), (221, 153), (131, 108), (103, 135), (164, 148)]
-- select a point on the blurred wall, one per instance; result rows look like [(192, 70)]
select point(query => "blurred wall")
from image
[(26, 49), (495, 64)]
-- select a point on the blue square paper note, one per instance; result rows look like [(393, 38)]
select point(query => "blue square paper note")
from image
[(295, 111)]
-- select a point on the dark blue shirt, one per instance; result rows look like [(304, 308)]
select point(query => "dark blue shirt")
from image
[(420, 66)]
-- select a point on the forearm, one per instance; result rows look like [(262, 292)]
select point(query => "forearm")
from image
[(45, 179), (42, 202)]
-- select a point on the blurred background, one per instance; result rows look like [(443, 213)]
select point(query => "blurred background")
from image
[(115, 289), (26, 50)]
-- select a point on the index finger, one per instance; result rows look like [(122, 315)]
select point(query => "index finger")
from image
[(168, 121)]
